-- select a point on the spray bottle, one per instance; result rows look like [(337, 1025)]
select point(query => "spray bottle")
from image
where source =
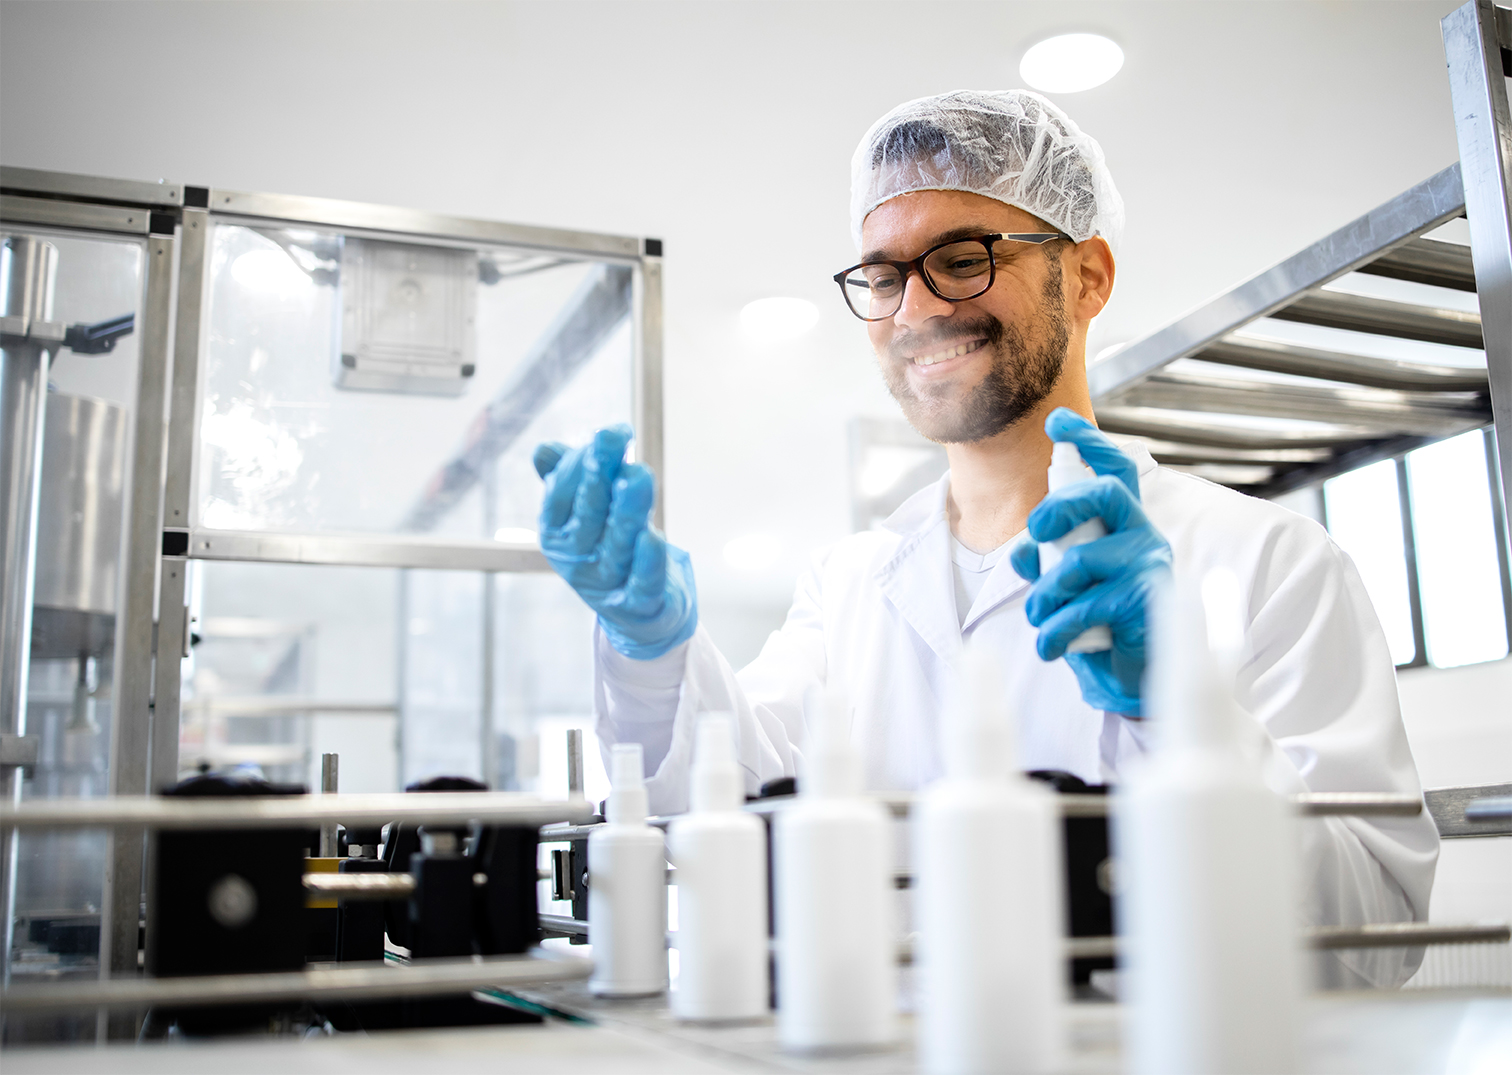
[(832, 862), (1066, 468), (1207, 860), (988, 869), (627, 888), (720, 854)]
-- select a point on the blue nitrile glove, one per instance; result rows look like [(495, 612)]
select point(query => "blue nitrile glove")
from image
[(1108, 581), (596, 533)]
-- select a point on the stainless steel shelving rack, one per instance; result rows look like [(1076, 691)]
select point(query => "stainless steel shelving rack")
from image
[(1361, 408), (173, 222)]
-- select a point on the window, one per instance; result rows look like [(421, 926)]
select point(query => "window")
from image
[(1440, 584)]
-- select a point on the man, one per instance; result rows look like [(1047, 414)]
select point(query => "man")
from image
[(985, 222)]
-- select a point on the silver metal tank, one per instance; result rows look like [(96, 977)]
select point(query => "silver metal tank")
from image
[(79, 527)]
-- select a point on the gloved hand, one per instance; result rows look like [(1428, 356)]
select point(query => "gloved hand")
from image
[(1108, 581), (596, 533)]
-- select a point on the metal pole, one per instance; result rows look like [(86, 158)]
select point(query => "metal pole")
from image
[(488, 735), (647, 304), (1473, 39), (574, 763), (329, 779), (29, 268)]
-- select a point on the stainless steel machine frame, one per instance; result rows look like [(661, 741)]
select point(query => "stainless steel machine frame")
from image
[(1372, 408), (174, 221)]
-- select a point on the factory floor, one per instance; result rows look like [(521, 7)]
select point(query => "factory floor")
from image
[(1412, 1033)]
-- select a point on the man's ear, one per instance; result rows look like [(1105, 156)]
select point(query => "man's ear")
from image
[(1090, 278)]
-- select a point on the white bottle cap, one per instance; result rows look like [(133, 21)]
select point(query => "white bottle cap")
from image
[(716, 783), (979, 733), (831, 767), (627, 785), (1066, 466), (1064, 453)]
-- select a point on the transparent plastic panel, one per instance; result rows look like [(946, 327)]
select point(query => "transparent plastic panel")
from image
[(384, 667), (293, 661), (76, 592), (352, 385), (1365, 518), (1458, 573)]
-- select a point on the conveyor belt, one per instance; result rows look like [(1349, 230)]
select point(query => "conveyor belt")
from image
[(1332, 408)]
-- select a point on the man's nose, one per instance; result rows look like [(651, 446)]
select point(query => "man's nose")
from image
[(919, 304)]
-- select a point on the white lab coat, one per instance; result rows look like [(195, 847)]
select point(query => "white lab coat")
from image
[(875, 616)]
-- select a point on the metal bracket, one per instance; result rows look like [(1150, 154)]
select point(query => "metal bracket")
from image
[(23, 328), (19, 749)]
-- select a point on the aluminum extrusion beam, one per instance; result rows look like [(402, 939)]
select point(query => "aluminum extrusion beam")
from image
[(1433, 202), (1427, 261), (296, 209), (598, 306), (364, 550), (291, 811), (1475, 40), (351, 982), (65, 185), (1385, 411), (1383, 317), (45, 212), (1274, 356), (131, 725)]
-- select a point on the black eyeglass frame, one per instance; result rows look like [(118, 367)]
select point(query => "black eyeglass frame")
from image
[(1033, 238)]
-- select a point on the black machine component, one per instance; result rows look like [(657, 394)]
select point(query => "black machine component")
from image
[(99, 338), (234, 902), (1089, 873), (227, 902)]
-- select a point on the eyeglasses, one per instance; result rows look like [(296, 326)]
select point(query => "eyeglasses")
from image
[(955, 271)]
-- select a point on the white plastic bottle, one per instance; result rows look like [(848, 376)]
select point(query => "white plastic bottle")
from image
[(627, 888), (1066, 468), (832, 861), (988, 872), (1207, 858), (720, 854)]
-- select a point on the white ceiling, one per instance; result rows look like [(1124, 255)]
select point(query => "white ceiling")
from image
[(1237, 133)]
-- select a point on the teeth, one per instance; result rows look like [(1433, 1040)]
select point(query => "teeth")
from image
[(952, 352)]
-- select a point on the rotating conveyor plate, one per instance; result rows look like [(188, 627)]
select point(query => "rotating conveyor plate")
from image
[(1269, 415)]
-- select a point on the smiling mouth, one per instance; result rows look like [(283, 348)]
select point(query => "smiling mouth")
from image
[(949, 352)]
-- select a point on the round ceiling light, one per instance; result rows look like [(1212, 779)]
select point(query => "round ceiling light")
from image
[(778, 318), (1071, 63)]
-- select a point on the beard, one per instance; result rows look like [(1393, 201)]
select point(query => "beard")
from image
[(1022, 374)]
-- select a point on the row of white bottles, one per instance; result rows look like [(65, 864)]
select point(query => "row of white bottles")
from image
[(1208, 904)]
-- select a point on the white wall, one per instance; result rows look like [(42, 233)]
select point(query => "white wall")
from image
[(1459, 723)]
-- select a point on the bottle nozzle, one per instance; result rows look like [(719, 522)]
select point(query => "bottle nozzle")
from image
[(716, 783), (831, 767), (627, 787)]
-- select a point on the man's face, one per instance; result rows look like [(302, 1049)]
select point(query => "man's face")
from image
[(965, 371)]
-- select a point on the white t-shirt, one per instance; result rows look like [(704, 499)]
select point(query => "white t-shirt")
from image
[(971, 570)]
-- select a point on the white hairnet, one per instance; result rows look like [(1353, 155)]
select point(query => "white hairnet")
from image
[(1011, 145)]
